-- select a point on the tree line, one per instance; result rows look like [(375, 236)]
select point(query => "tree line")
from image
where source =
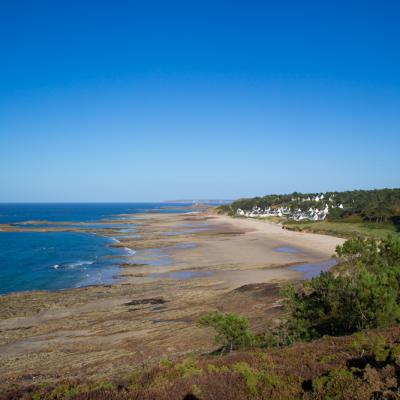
[(379, 205)]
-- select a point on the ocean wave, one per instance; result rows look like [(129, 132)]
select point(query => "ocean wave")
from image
[(114, 240), (130, 251), (79, 264), (73, 265)]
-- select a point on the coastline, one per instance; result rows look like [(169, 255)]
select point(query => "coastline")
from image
[(223, 244), (219, 262)]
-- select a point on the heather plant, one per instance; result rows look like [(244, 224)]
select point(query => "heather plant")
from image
[(250, 375), (374, 345)]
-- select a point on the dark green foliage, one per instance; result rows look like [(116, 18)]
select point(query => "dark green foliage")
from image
[(233, 330), (366, 296), (336, 306), (370, 253)]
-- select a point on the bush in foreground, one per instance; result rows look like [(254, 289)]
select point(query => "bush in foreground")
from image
[(233, 330), (366, 295)]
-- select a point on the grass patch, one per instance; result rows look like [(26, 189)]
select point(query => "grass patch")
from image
[(344, 229)]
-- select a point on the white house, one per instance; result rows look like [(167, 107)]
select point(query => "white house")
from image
[(318, 213)]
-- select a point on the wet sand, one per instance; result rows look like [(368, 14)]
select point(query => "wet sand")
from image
[(184, 266)]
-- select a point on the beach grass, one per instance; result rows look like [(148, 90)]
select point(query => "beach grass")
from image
[(345, 229)]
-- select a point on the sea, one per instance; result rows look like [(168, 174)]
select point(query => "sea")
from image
[(61, 260)]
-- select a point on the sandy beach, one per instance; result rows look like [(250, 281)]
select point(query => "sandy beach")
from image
[(184, 266)]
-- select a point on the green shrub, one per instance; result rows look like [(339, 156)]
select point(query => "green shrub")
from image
[(214, 368), (328, 358), (104, 386), (378, 348), (279, 336), (65, 391), (333, 384), (188, 368), (251, 376), (233, 330), (368, 296)]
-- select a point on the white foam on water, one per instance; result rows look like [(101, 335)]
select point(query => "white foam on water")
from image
[(78, 264), (130, 251)]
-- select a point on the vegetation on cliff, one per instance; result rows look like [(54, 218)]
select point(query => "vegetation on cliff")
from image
[(362, 366)]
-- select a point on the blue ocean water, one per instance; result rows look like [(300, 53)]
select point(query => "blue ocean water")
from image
[(78, 212), (60, 260), (55, 260)]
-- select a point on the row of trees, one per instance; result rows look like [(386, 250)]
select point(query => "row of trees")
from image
[(372, 205)]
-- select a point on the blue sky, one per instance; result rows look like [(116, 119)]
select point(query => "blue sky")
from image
[(135, 101)]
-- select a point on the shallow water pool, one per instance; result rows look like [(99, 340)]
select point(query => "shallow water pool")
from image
[(312, 270)]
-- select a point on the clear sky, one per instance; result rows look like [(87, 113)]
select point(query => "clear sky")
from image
[(153, 100)]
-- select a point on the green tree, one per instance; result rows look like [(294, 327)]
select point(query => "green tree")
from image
[(366, 296), (233, 330)]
